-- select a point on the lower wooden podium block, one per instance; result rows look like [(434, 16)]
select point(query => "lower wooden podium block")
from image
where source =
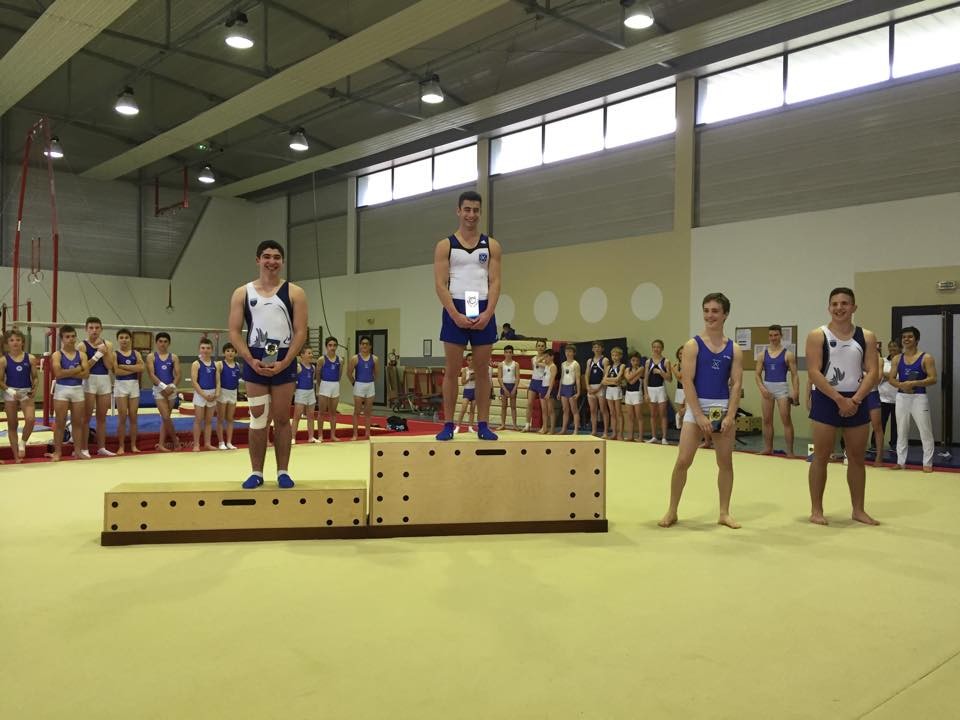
[(135, 513), (517, 484)]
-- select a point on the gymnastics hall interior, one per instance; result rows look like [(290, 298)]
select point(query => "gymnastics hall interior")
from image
[(632, 157)]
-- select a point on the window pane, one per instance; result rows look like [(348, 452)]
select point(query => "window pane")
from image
[(455, 168), (837, 66), (577, 135), (642, 118), (927, 42), (373, 189), (742, 91), (517, 151), (412, 179)]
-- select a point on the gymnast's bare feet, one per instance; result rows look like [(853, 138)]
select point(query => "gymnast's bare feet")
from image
[(669, 519), (817, 518), (727, 519), (862, 517)]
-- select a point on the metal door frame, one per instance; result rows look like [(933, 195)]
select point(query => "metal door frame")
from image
[(945, 373)]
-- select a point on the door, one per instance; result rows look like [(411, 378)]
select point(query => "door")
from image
[(954, 345), (379, 339), (939, 327)]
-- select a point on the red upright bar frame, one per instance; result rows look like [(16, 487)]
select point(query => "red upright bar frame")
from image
[(42, 124)]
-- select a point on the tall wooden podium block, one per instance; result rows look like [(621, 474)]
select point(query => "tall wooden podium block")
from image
[(421, 486), (220, 511)]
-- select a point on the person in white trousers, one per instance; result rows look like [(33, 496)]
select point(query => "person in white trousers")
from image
[(912, 372)]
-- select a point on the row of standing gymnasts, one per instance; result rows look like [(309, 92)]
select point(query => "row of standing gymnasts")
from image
[(88, 374), (607, 383)]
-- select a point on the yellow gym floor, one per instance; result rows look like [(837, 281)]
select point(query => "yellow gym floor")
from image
[(779, 620)]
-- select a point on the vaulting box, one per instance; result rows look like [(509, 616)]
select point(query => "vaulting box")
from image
[(530, 479), (212, 511)]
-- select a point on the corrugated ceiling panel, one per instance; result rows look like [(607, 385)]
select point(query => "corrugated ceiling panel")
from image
[(664, 48), (64, 28), (330, 200), (318, 249), (885, 144), (97, 222), (165, 237), (404, 233), (409, 27), (616, 194)]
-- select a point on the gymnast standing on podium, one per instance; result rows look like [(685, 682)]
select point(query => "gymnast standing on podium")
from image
[(275, 314), (466, 271)]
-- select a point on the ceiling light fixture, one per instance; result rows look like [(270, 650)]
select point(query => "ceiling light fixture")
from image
[(206, 175), (430, 91), (237, 35), (636, 19), (54, 149), (298, 141), (126, 103)]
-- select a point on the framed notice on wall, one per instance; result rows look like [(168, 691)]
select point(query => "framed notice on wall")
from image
[(142, 341), (753, 341)]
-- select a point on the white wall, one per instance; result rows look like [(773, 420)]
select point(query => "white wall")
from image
[(780, 270), (410, 289), (221, 256)]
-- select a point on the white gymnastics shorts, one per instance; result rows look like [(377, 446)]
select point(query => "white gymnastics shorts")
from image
[(329, 389), (199, 401), (158, 394), (706, 405), (657, 394), (305, 397), (12, 394), (679, 397), (777, 389), (97, 385), (633, 397), (126, 389), (70, 393), (364, 390), (613, 392), (228, 397)]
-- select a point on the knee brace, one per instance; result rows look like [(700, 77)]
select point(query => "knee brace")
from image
[(261, 421)]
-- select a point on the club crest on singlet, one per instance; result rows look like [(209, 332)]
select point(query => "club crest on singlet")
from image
[(483, 257)]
